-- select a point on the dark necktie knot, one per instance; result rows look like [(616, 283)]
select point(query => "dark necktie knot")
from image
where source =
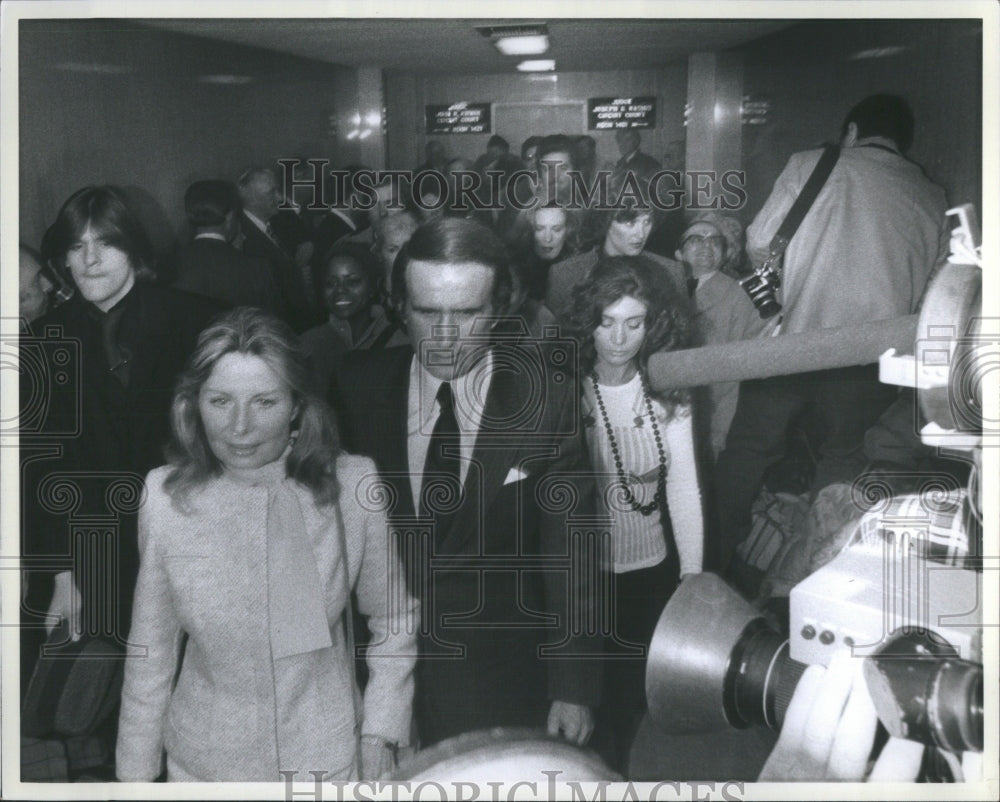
[(445, 400)]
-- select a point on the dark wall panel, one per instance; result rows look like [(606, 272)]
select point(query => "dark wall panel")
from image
[(813, 73), (112, 102)]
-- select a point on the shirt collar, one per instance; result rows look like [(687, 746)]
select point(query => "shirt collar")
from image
[(880, 142), (343, 328), (471, 385), (97, 314), (704, 277), (255, 220), (210, 235)]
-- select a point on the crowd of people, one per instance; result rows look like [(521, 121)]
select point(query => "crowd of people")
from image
[(410, 417)]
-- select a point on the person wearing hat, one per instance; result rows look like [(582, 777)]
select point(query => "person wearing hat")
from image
[(723, 312)]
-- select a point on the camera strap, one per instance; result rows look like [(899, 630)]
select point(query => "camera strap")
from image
[(803, 203)]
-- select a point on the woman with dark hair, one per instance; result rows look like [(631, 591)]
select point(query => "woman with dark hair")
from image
[(349, 289), (529, 153), (109, 417), (642, 442), (622, 229), (36, 286), (253, 538)]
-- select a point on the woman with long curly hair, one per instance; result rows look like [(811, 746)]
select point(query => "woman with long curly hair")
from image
[(642, 448)]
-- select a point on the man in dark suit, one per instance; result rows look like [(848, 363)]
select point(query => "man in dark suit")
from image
[(633, 159), (114, 352), (259, 193), (209, 265), (343, 220), (480, 443), (437, 159), (295, 222)]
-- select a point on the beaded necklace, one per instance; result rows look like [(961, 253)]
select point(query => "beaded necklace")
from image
[(661, 479)]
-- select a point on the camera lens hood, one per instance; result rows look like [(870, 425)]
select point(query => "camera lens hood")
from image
[(690, 654)]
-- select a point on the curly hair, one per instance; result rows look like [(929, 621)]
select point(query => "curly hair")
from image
[(668, 326), (247, 330)]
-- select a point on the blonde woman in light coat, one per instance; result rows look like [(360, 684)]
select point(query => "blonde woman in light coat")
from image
[(251, 540)]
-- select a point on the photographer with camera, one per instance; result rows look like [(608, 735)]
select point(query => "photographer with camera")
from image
[(863, 252), (830, 729)]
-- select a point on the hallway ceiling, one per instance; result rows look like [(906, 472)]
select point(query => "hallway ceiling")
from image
[(454, 45)]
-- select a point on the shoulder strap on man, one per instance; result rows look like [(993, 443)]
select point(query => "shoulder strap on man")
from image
[(805, 199)]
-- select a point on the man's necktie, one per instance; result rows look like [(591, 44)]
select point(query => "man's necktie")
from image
[(118, 356), (442, 471), (692, 284)]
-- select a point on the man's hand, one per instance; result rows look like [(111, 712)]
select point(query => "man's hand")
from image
[(573, 722), (378, 758), (829, 731), (65, 605)]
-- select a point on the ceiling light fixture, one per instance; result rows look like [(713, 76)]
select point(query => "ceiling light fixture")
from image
[(526, 39), (93, 69), (225, 80), (877, 52), (537, 65), (522, 45)]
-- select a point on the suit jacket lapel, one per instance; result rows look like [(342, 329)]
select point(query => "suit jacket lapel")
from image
[(709, 292), (389, 426), (145, 363), (496, 451)]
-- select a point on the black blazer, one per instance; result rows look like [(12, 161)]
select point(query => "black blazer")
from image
[(329, 231), (297, 305), (502, 606), (215, 269), (642, 164), (89, 447)]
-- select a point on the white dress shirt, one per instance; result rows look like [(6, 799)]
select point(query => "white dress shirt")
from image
[(469, 392)]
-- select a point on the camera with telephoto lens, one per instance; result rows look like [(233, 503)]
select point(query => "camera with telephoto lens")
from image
[(716, 661), (762, 285)]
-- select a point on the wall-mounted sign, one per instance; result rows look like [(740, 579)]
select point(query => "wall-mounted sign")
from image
[(608, 113), (459, 118), (755, 110)]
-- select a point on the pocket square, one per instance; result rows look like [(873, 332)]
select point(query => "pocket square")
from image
[(514, 475)]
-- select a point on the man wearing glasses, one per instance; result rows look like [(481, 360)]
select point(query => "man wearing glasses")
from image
[(723, 312)]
